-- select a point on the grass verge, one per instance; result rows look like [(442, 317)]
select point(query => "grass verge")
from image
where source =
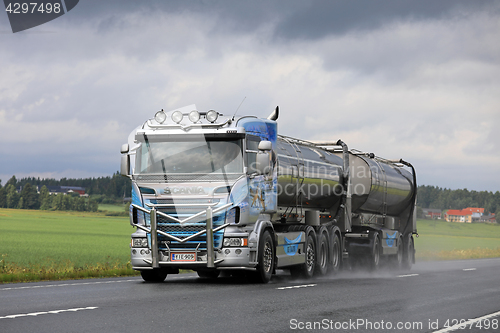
[(49, 270)]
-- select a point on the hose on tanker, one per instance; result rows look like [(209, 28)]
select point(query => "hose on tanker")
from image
[(345, 180)]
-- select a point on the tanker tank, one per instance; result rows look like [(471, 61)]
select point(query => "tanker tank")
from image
[(378, 186), (308, 177), (311, 177)]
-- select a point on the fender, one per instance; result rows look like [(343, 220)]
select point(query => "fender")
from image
[(259, 227)]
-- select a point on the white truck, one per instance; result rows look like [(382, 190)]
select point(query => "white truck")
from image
[(213, 192)]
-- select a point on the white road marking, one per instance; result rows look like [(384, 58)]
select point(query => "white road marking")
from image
[(468, 323), (469, 269), (295, 287), (407, 275), (66, 284), (34, 314)]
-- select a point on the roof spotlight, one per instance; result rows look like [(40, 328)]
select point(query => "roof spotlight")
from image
[(177, 117), (212, 115), (194, 116), (160, 116)]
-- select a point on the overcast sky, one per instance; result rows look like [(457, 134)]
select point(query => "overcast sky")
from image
[(418, 80)]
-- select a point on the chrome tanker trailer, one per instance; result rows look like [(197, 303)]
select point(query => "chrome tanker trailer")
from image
[(214, 193)]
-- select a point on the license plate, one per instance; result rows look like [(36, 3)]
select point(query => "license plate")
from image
[(190, 256)]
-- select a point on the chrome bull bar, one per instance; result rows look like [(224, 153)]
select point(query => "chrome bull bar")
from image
[(209, 231)]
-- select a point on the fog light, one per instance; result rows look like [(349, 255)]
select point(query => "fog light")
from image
[(238, 251)]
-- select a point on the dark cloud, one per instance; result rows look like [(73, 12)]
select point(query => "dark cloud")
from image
[(321, 18)]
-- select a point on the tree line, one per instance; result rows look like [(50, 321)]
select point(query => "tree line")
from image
[(113, 188), (443, 198), (34, 193)]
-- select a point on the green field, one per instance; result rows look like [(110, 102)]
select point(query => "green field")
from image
[(69, 242), (112, 208), (441, 240), (48, 245)]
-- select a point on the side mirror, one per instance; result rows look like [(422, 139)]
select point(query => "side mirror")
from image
[(263, 163), (125, 148), (265, 145), (125, 162), (125, 165)]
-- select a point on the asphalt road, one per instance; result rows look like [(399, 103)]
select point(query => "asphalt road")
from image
[(426, 299)]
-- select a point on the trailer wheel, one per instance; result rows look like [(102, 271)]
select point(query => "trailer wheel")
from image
[(322, 254), (266, 258), (374, 257), (208, 274), (398, 258), (336, 254), (408, 253), (306, 270), (154, 275)]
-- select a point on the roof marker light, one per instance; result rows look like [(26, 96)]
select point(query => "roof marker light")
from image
[(177, 117), (194, 116), (160, 116), (212, 116)]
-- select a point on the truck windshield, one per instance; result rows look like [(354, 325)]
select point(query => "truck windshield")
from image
[(200, 157)]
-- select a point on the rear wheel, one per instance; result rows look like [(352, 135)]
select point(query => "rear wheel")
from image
[(154, 275), (397, 260), (336, 254), (306, 270), (408, 253), (374, 257), (322, 258)]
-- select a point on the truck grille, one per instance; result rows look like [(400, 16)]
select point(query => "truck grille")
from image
[(181, 231)]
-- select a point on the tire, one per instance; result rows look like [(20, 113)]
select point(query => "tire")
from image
[(408, 253), (267, 254), (397, 260), (335, 254), (306, 270), (208, 274), (154, 275), (321, 267), (374, 258)]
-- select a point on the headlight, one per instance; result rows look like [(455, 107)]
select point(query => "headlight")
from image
[(228, 242), (177, 117), (194, 116), (160, 116), (212, 116), (139, 242)]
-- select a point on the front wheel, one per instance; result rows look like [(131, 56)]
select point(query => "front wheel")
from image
[(154, 275), (266, 258)]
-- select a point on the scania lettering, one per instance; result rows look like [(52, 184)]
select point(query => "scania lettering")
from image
[(213, 193)]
